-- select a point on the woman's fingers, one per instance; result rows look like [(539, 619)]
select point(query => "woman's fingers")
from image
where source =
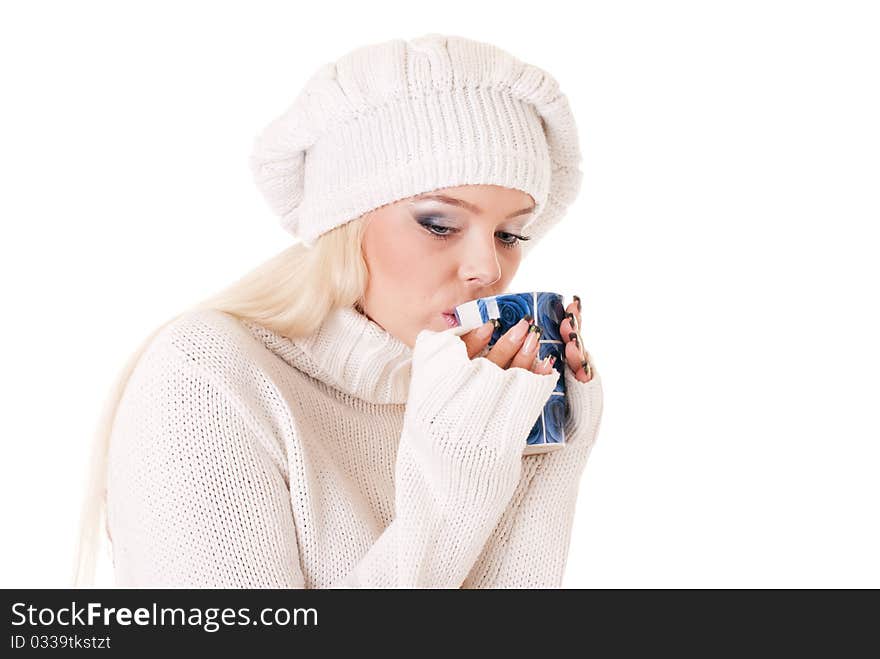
[(567, 326), (569, 329), (574, 362), (518, 347), (478, 338), (525, 357), (507, 346)]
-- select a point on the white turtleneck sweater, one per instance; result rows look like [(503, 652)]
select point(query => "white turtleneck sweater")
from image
[(241, 458)]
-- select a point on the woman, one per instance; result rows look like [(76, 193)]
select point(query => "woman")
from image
[(316, 425)]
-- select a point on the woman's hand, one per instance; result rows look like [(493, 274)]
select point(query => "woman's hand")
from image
[(518, 347), (567, 328)]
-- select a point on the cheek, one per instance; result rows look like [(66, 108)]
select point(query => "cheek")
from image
[(399, 258), (394, 257)]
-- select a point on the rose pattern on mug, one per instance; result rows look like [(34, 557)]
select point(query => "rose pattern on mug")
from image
[(547, 310)]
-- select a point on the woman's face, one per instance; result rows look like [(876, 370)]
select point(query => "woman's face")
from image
[(428, 253)]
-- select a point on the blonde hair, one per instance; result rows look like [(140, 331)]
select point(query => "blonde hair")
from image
[(290, 294)]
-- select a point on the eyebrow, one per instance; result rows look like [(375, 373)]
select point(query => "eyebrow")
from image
[(473, 208)]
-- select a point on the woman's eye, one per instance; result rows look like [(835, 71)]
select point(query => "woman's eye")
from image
[(437, 230), (508, 240)]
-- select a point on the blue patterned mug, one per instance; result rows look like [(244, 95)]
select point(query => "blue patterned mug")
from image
[(547, 310)]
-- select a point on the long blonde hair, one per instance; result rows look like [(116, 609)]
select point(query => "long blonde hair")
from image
[(290, 294)]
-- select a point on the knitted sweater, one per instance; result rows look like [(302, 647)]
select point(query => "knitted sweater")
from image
[(346, 459)]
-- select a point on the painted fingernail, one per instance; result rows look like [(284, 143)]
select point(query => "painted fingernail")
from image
[(527, 318), (578, 300), (552, 359), (573, 337), (532, 339), (518, 331), (496, 323)]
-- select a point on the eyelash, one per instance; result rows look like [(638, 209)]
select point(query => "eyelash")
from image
[(430, 225)]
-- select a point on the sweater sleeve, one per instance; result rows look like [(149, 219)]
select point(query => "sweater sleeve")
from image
[(197, 497), (529, 547), (194, 496), (458, 464)]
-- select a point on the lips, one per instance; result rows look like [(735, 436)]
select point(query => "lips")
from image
[(450, 319)]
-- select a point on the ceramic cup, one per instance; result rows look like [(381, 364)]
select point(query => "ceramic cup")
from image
[(547, 310)]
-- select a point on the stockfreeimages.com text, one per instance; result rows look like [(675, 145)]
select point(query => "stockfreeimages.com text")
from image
[(209, 619)]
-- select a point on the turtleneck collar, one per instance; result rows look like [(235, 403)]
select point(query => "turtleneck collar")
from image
[(349, 352)]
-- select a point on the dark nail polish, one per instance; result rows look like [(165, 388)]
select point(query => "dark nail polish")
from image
[(578, 300), (569, 315), (534, 328), (573, 337), (497, 324), (528, 318)]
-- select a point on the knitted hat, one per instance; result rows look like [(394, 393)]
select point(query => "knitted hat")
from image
[(397, 119)]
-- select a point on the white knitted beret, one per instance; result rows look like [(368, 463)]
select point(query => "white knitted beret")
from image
[(396, 119)]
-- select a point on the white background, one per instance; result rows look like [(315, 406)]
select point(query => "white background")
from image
[(724, 244)]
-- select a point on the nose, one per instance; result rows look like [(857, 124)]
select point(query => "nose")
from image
[(480, 266)]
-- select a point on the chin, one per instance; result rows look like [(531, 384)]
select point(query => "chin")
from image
[(435, 324)]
